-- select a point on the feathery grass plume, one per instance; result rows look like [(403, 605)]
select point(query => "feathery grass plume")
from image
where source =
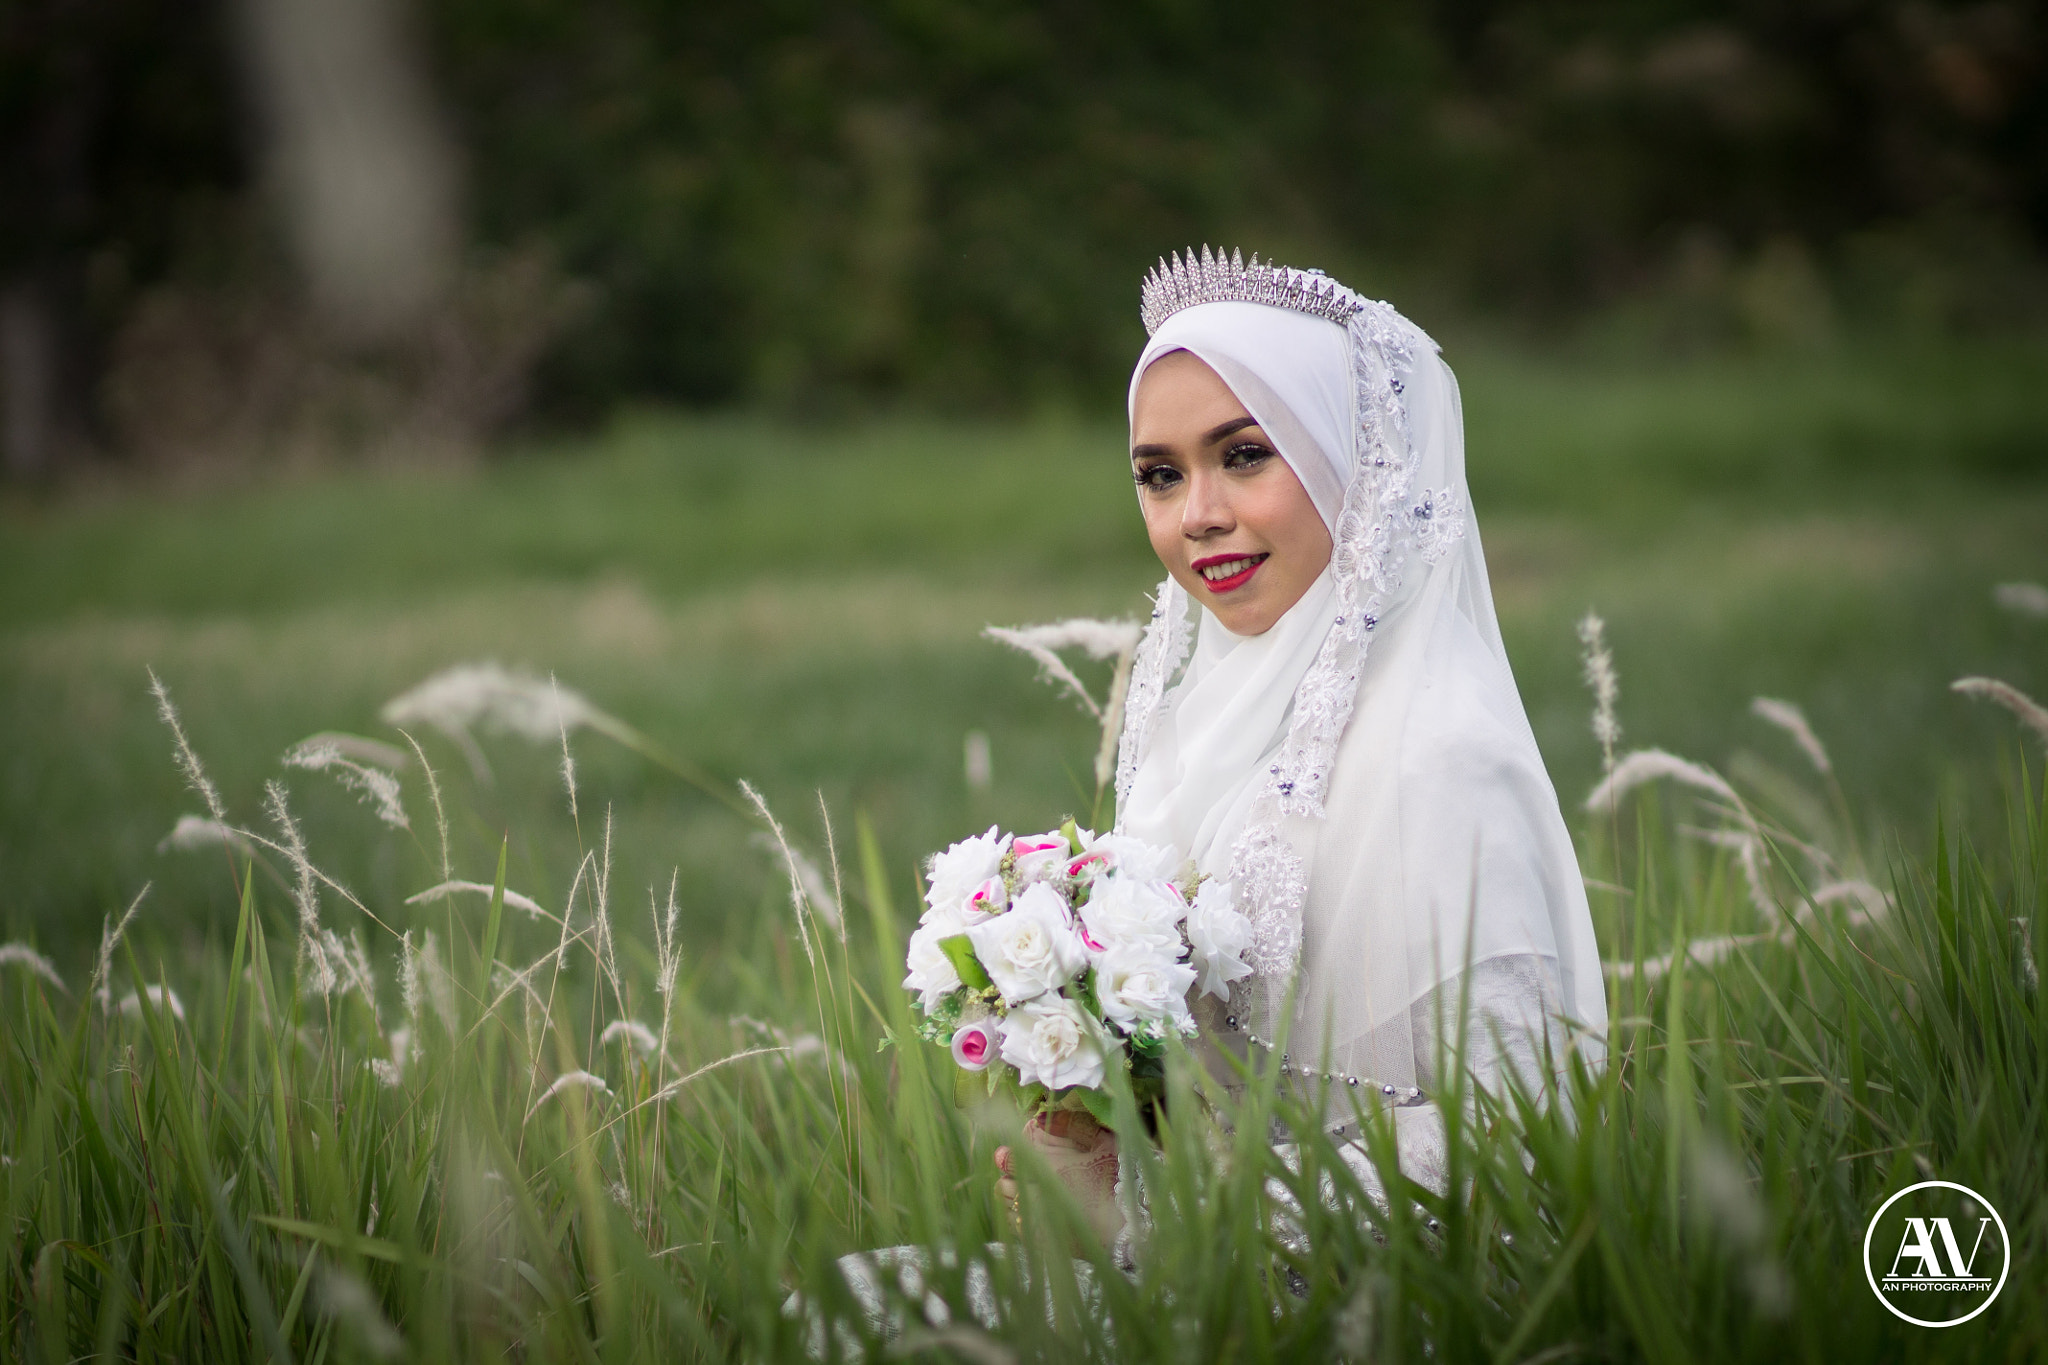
[(408, 984), (2031, 713), (1704, 952), (1748, 850), (376, 788), (469, 696), (668, 957), (568, 759), (434, 794), (634, 1032), (161, 997), (457, 701), (188, 761), (1598, 661), (1789, 718), (21, 955), (514, 899), (356, 969), (194, 832), (1097, 639), (2023, 599), (313, 949), (569, 1080), (359, 749), (110, 938), (797, 896), (1645, 766)]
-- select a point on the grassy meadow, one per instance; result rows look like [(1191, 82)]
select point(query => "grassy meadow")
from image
[(800, 607)]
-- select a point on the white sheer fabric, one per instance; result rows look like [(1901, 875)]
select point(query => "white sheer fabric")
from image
[(1366, 770)]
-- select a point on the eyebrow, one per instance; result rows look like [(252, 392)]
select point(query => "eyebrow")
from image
[(1210, 437)]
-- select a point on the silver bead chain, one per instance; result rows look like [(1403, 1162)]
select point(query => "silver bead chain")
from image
[(1396, 1097)]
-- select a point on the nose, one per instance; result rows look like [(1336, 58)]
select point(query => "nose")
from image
[(1207, 511)]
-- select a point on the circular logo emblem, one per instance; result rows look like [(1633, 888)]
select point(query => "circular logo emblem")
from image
[(1936, 1253)]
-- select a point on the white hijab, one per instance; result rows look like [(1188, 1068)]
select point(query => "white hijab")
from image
[(1363, 770)]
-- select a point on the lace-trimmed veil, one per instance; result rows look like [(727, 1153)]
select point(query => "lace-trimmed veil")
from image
[(1370, 782)]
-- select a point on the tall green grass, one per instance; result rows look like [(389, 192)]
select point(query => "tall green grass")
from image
[(472, 1164)]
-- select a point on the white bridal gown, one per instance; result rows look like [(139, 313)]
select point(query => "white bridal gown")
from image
[(1363, 772)]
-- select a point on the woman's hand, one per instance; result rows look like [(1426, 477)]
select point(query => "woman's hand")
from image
[(1082, 1153)]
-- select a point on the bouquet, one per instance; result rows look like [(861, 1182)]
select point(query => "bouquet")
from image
[(1046, 959)]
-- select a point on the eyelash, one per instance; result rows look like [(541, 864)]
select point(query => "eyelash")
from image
[(1252, 452)]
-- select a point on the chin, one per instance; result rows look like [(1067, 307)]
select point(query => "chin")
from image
[(1245, 619)]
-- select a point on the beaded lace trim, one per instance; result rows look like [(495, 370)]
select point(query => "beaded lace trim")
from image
[(1160, 652), (1385, 522)]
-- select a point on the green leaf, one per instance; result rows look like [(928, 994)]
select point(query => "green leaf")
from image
[(1096, 1102), (1072, 834), (959, 949), (1085, 994)]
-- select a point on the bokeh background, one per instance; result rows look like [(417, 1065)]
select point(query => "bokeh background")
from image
[(736, 363)]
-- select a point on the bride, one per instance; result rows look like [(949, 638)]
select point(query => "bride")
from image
[(1322, 711)]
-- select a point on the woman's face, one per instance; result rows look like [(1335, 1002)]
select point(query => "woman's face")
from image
[(1226, 515)]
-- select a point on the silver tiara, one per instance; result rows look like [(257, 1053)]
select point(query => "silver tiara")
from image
[(1213, 278)]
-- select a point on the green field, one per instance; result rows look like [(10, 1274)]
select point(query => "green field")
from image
[(800, 607)]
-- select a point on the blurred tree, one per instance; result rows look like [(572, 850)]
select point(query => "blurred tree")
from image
[(948, 202), (117, 131)]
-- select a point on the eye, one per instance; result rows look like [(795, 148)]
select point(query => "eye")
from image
[(1246, 455), (1157, 478)]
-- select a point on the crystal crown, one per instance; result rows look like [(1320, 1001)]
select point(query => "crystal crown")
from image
[(1214, 278)]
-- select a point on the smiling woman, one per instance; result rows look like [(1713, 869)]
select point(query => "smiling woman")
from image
[(1226, 515), (1321, 714)]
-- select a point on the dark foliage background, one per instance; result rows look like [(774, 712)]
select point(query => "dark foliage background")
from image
[(947, 203)]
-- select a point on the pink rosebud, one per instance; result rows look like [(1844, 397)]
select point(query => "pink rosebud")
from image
[(1076, 867), (973, 1049), (990, 898), (1039, 855)]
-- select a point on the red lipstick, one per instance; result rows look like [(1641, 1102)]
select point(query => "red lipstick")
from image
[(1237, 579)]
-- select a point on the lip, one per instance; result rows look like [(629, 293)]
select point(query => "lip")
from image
[(1236, 580)]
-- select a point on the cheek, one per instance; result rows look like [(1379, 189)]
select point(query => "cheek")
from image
[(1285, 519), (1162, 528)]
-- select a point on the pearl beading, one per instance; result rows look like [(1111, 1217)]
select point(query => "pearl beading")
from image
[(1394, 1097)]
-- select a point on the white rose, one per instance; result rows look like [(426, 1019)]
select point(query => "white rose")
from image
[(1135, 984), (1220, 935), (1040, 855), (1134, 857), (955, 875), (1125, 913), (1033, 948), (932, 974), (1050, 1044)]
